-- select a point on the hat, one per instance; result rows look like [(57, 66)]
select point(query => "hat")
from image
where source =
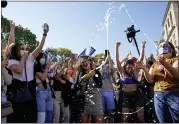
[(129, 61), (84, 57)]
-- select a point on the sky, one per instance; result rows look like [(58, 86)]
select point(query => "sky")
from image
[(72, 24)]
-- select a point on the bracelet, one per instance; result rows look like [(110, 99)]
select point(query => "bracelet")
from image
[(44, 34)]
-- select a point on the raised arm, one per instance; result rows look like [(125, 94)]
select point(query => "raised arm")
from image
[(111, 64), (36, 52), (142, 51), (18, 68), (70, 63), (125, 59), (119, 67), (148, 73), (11, 38)]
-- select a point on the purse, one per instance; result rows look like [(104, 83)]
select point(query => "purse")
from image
[(20, 95), (23, 94), (6, 109)]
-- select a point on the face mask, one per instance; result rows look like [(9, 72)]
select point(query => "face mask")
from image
[(42, 61), (130, 71), (58, 71), (22, 52), (150, 63), (165, 50)]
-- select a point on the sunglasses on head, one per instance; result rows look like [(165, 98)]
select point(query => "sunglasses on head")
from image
[(130, 62)]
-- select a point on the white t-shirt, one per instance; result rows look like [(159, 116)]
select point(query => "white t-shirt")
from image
[(29, 69)]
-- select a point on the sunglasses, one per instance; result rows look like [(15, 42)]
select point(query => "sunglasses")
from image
[(22, 48), (130, 62)]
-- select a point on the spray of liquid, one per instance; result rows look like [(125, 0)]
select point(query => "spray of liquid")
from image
[(105, 25)]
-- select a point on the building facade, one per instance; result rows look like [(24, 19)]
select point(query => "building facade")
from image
[(171, 24)]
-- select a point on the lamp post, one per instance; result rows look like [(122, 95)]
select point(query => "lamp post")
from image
[(3, 3)]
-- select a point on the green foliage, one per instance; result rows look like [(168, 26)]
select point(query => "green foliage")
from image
[(58, 52), (100, 55), (23, 35), (64, 52)]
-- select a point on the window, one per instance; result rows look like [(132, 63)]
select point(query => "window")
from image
[(166, 30), (168, 22), (171, 19)]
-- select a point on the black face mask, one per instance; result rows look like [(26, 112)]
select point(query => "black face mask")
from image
[(150, 63), (128, 72)]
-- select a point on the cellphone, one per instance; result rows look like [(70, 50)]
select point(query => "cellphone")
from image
[(107, 52), (45, 26)]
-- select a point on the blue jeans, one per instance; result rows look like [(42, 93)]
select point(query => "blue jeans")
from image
[(167, 106), (44, 104), (108, 100)]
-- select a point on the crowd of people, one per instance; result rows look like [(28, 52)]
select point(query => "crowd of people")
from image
[(88, 90)]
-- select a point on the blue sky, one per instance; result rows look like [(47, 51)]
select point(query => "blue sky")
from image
[(72, 23)]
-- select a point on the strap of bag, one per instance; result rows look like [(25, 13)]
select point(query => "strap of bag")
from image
[(26, 74)]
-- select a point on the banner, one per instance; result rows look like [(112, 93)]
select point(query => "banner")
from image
[(88, 51), (92, 50)]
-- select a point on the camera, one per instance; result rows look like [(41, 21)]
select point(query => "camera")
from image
[(107, 52), (131, 32)]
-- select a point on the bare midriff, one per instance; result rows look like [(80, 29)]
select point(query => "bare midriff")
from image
[(39, 84), (129, 87)]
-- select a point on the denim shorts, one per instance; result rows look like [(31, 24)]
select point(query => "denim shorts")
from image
[(44, 99), (108, 100)]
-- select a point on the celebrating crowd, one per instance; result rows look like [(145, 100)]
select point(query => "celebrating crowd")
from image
[(88, 90)]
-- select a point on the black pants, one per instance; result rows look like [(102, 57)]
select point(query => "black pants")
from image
[(76, 108), (25, 112)]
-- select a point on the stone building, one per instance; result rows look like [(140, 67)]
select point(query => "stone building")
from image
[(171, 24)]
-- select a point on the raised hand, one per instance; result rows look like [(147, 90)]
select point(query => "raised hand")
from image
[(162, 60), (140, 65), (45, 28), (12, 25), (143, 43), (4, 63), (118, 44), (49, 63), (25, 55)]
